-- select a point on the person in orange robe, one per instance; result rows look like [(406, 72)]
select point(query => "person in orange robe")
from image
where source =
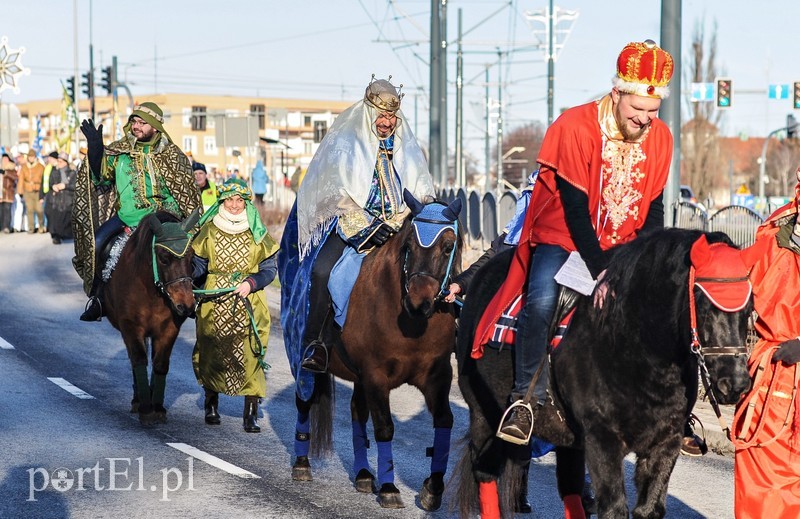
[(767, 420)]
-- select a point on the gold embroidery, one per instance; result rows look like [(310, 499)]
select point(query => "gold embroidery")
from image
[(622, 177)]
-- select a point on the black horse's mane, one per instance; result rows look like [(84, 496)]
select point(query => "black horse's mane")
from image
[(142, 237), (652, 267)]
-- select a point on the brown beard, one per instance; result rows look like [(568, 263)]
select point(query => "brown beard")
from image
[(627, 136)]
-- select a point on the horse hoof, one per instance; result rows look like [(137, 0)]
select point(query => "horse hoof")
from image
[(147, 419), (430, 497), (365, 482), (301, 470), (389, 497), (134, 407)]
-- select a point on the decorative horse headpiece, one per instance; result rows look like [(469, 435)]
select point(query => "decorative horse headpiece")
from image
[(431, 220), (174, 237), (721, 273)]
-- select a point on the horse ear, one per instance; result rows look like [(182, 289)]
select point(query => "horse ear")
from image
[(413, 204), (155, 226), (452, 211), (701, 252), (191, 221)]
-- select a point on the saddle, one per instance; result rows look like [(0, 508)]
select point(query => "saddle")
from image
[(505, 329)]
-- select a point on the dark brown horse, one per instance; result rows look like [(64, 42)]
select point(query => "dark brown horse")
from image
[(398, 331), (149, 296)]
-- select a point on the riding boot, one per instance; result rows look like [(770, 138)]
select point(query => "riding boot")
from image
[(94, 307), (318, 361), (211, 407), (250, 415)]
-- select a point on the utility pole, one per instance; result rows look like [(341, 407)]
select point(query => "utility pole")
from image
[(487, 186), (670, 111), (461, 178), (443, 93), (552, 17), (435, 122), (499, 121), (91, 63)]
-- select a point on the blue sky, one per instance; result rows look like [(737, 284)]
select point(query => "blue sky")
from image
[(329, 48)]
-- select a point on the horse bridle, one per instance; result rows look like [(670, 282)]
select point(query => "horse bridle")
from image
[(697, 348), (445, 280), (161, 285)]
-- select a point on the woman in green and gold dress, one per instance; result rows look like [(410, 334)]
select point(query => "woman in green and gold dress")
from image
[(235, 251)]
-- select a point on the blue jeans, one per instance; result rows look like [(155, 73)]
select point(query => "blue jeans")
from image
[(534, 321)]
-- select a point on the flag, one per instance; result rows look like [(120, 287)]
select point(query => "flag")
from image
[(69, 120)]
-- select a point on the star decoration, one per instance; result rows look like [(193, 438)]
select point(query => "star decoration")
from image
[(11, 66)]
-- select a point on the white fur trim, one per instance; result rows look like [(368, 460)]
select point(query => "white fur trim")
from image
[(639, 89)]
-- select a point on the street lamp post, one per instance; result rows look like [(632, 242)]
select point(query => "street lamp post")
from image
[(506, 155)]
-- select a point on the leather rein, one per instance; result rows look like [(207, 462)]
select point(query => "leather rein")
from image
[(161, 285), (447, 274), (697, 348)]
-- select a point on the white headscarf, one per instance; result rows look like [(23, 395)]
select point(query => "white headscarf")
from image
[(339, 178)]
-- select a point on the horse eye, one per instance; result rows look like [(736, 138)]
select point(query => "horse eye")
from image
[(448, 247)]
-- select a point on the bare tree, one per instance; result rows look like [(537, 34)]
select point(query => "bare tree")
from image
[(782, 160), (703, 165), (528, 136)]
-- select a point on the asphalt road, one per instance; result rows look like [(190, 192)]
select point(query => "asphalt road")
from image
[(70, 448)]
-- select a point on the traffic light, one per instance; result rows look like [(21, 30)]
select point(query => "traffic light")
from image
[(107, 79), (88, 84), (724, 92), (70, 86), (796, 96)]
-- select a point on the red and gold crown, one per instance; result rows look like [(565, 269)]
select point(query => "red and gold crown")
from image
[(644, 69)]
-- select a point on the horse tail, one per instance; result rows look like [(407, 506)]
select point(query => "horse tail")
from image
[(511, 484), (322, 415), (465, 499)]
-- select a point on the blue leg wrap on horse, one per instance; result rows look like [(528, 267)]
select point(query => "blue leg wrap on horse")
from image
[(158, 385), (385, 463), (142, 384), (360, 446), (301, 436), (441, 449)]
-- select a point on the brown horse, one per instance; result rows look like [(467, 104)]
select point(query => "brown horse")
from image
[(397, 331), (149, 296)]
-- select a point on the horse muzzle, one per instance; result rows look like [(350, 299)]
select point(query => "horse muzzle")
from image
[(420, 298)]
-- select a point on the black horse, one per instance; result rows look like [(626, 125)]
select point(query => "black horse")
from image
[(624, 378), (398, 331)]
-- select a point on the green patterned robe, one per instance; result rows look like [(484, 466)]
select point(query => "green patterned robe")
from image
[(168, 171), (226, 355)]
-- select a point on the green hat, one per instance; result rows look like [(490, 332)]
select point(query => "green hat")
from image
[(235, 186), (151, 114)]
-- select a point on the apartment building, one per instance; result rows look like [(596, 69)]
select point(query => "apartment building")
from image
[(283, 133)]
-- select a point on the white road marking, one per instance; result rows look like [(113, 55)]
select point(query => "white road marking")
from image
[(69, 388), (5, 345), (213, 461)]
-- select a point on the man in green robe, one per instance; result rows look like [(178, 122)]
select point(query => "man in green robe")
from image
[(119, 184)]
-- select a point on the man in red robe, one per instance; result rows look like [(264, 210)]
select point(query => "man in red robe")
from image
[(603, 167), (767, 424)]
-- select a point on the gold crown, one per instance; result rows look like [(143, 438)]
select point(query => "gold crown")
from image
[(644, 69), (383, 95)]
